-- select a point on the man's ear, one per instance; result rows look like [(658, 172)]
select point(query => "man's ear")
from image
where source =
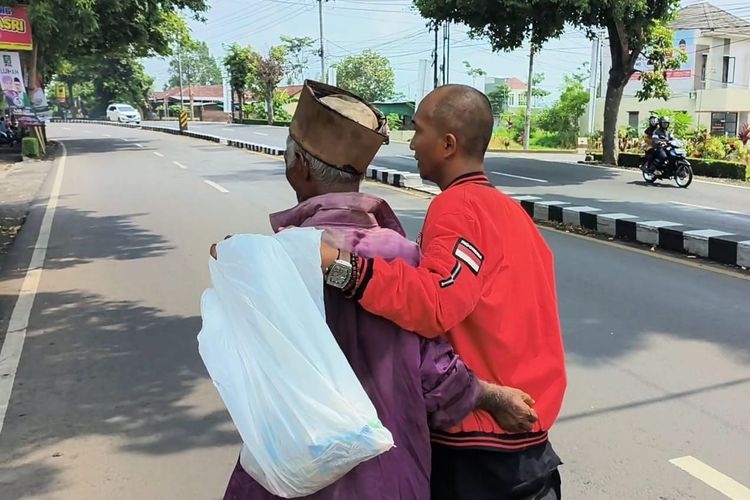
[(450, 145), (303, 165)]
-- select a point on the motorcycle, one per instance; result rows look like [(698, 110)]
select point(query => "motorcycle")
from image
[(676, 167)]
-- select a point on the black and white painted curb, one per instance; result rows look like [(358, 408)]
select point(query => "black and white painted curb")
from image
[(719, 246), (258, 148)]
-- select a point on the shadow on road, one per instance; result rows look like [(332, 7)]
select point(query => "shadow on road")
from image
[(80, 351), (116, 237)]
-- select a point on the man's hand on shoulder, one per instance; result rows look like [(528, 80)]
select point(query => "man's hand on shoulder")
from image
[(510, 407)]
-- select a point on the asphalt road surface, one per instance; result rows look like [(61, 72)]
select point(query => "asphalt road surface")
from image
[(111, 399), (704, 205)]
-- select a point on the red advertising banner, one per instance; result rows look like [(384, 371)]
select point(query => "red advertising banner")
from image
[(15, 28)]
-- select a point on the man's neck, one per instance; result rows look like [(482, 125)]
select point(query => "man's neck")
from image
[(458, 169)]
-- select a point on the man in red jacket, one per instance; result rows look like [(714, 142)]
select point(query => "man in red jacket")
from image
[(486, 283)]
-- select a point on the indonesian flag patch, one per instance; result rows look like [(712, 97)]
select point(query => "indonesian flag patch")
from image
[(468, 254)]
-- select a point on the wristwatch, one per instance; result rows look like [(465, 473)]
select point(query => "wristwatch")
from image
[(339, 275)]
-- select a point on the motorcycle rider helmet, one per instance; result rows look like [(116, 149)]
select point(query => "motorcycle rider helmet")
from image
[(653, 121), (664, 122)]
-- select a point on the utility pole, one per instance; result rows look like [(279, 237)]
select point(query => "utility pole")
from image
[(190, 92), (592, 83), (445, 45), (529, 90), (435, 59), (179, 69), (323, 75), (448, 56)]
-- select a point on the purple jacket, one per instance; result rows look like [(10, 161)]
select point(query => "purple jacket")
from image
[(414, 383)]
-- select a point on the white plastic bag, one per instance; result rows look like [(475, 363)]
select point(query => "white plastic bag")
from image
[(298, 406)]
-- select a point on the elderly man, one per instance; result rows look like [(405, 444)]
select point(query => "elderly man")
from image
[(414, 383)]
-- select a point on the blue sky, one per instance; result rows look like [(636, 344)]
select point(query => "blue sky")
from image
[(390, 27)]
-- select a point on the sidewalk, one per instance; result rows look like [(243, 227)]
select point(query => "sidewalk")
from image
[(19, 184)]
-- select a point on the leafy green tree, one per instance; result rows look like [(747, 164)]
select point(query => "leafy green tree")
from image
[(632, 26), (368, 75), (266, 74), (474, 73), (198, 67), (499, 97), (562, 118), (280, 114), (65, 30), (240, 62), (298, 50)]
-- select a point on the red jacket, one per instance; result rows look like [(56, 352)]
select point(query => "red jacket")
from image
[(486, 282)]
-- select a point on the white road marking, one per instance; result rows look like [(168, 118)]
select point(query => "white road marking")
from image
[(139, 145), (19, 318), (227, 128), (521, 177), (124, 139), (66, 128), (179, 164), (707, 208), (715, 479), (106, 135), (409, 157), (158, 154), (260, 133), (216, 186)]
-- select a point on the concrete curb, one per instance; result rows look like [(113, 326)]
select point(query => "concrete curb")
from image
[(260, 148), (719, 246)]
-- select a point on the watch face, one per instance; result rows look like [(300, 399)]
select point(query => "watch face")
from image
[(339, 274)]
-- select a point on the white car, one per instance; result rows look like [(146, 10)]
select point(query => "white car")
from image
[(123, 113)]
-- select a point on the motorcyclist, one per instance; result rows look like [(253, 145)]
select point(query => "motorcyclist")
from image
[(661, 138), (653, 123)]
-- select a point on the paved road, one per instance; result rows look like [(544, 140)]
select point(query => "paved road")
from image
[(111, 399), (559, 177)]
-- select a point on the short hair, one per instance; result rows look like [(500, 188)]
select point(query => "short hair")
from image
[(466, 113), (321, 171)]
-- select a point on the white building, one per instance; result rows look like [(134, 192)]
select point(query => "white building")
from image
[(713, 86), (518, 91)]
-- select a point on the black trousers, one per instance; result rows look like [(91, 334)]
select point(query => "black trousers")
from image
[(484, 474)]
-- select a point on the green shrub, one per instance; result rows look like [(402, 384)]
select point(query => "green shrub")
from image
[(540, 138), (394, 121), (713, 149), (719, 168)]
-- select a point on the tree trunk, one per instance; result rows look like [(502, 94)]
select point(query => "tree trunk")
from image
[(615, 88), (269, 103)]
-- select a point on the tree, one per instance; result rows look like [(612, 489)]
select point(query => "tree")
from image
[(240, 63), (499, 97), (136, 28), (507, 24), (101, 80), (474, 73), (536, 90), (266, 75), (298, 50), (198, 67), (661, 57), (280, 100), (368, 75), (562, 118)]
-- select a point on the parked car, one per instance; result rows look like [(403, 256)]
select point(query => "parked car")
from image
[(123, 113)]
